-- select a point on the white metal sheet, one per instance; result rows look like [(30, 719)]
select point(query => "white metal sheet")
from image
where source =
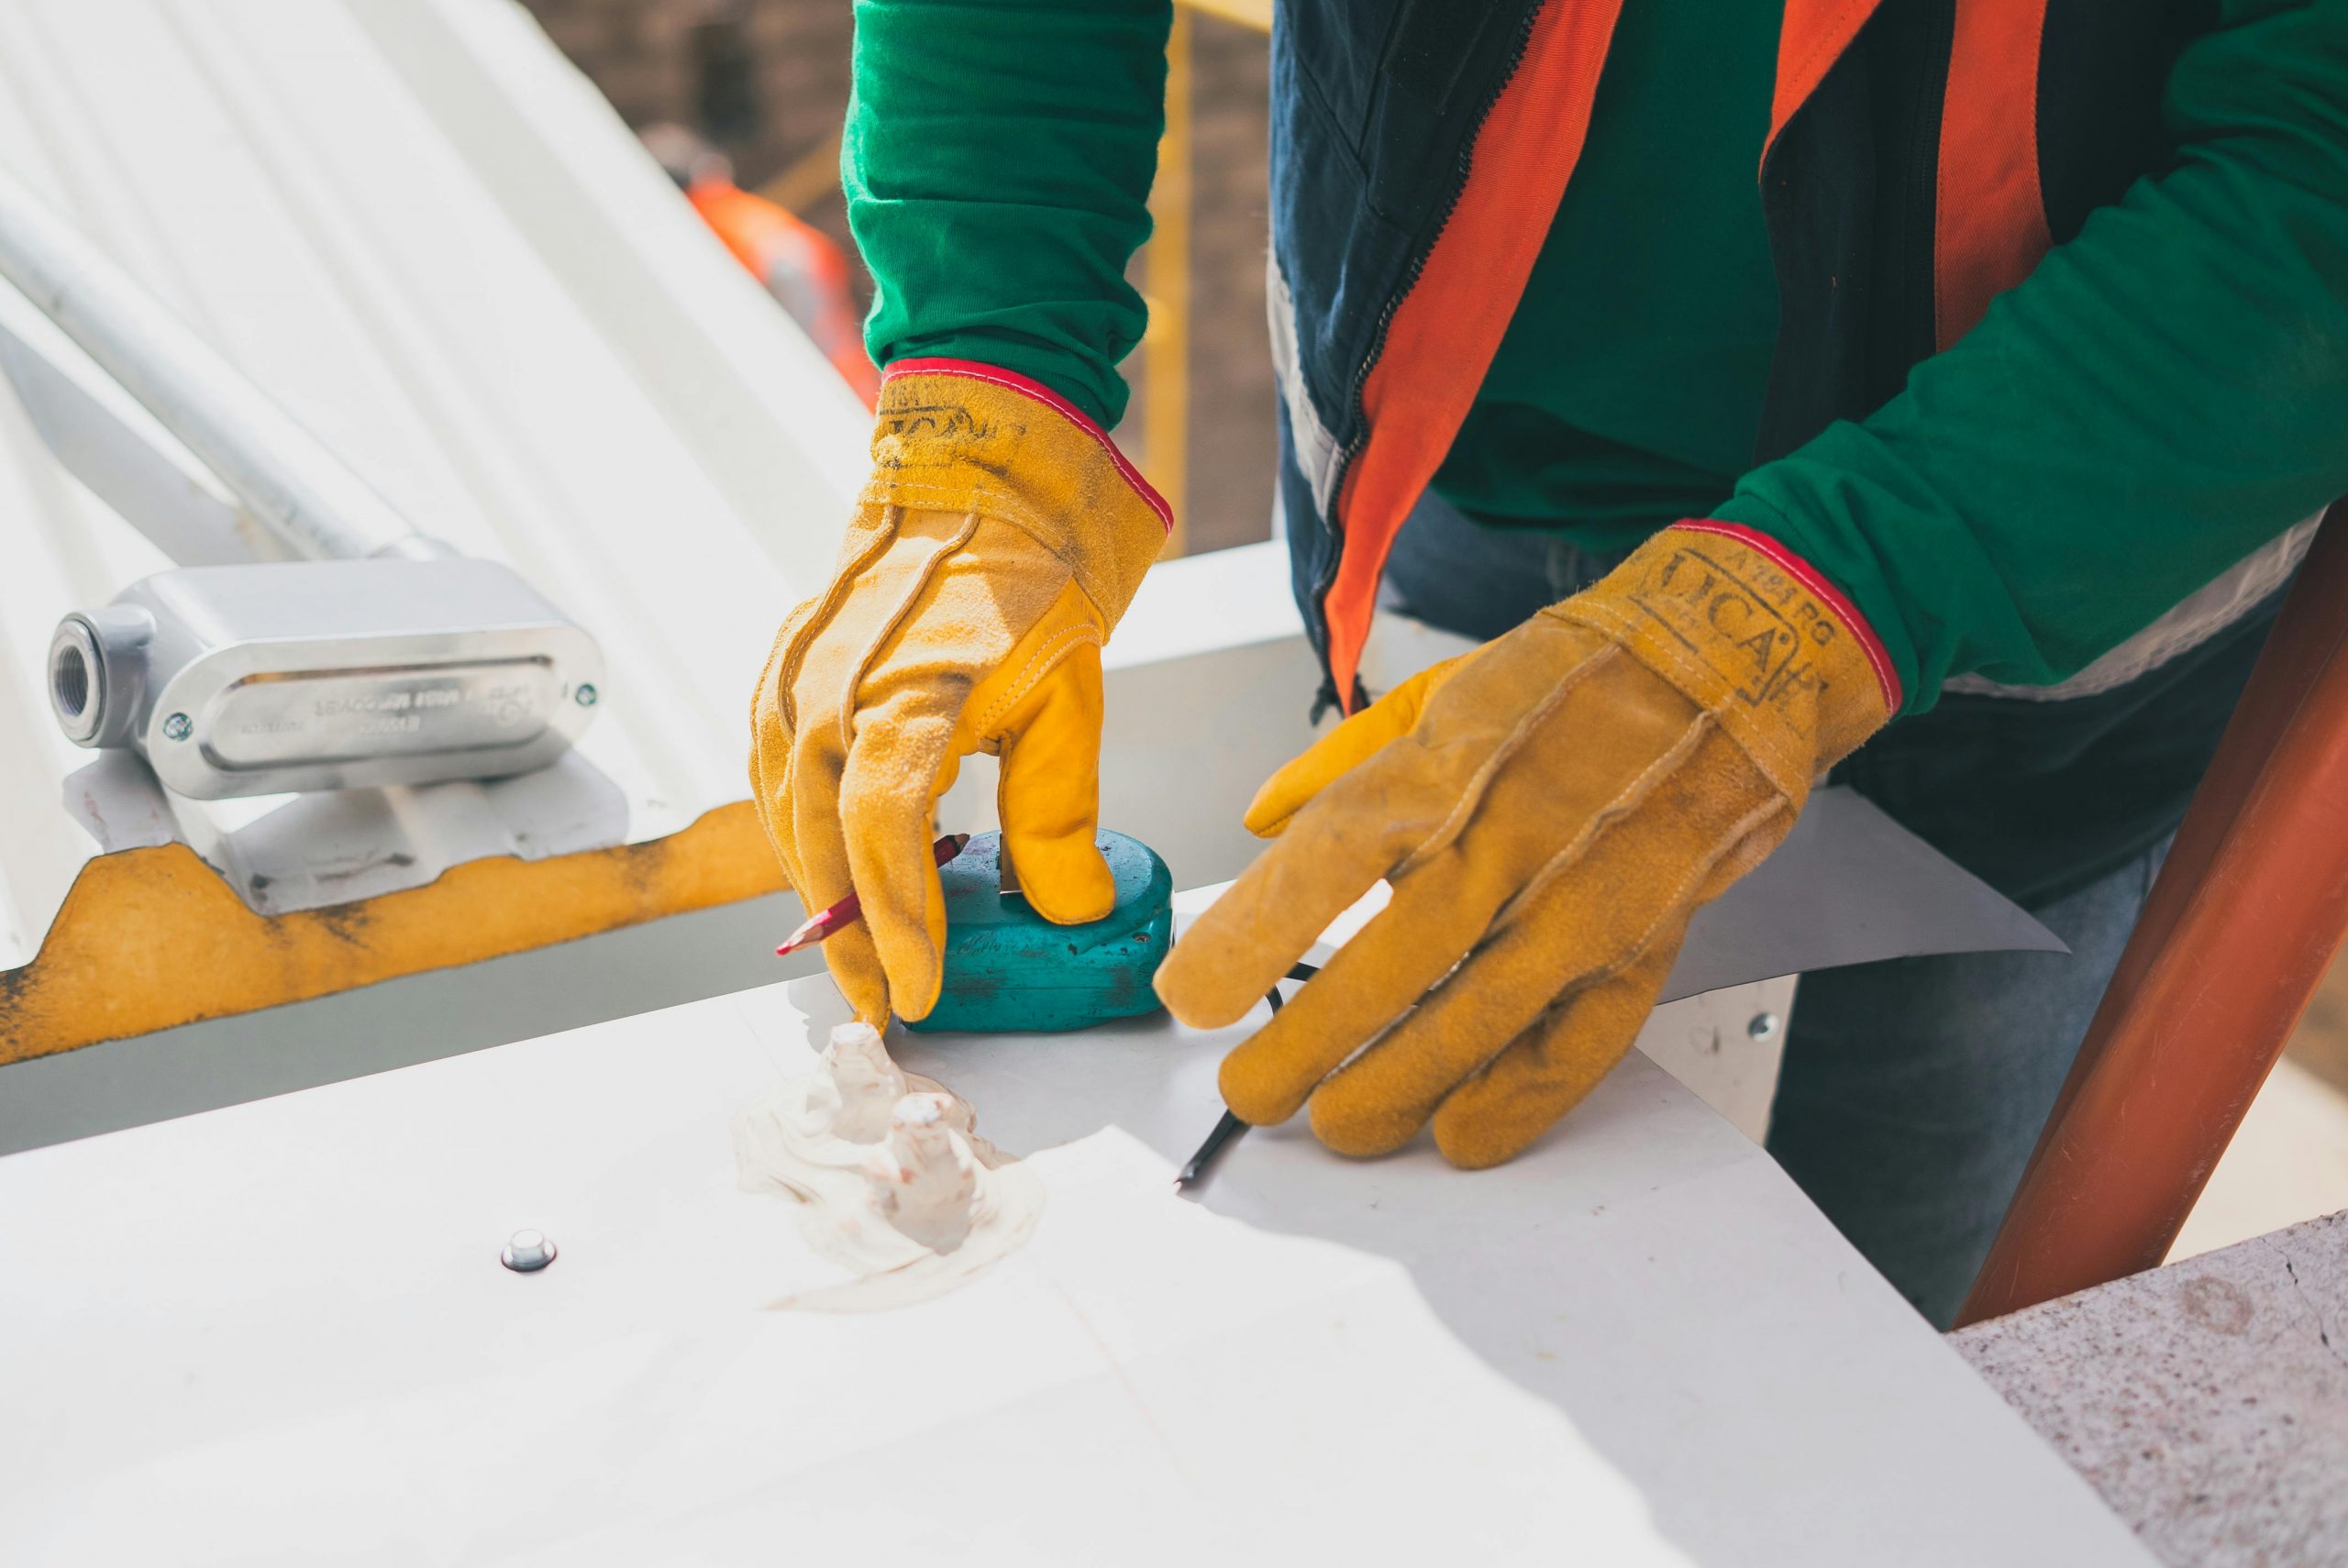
[(317, 1272)]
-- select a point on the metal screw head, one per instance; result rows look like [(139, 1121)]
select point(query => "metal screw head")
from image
[(526, 1251), (179, 726), (584, 696), (1762, 1025)]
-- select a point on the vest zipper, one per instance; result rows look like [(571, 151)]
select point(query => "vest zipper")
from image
[(1517, 47)]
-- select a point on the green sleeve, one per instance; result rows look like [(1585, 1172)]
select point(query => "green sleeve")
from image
[(997, 162), (2163, 395)]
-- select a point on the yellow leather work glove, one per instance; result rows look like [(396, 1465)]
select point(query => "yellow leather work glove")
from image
[(999, 539), (1549, 810)]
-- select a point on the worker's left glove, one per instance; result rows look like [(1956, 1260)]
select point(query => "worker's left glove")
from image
[(1000, 536), (1549, 810)]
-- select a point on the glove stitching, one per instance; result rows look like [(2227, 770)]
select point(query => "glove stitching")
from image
[(1769, 754), (1590, 979), (1550, 1018), (834, 595), (1096, 569), (1472, 794), (1502, 928), (924, 747), (1628, 800), (1743, 828), (1049, 655), (766, 675), (1003, 505), (887, 630), (1036, 394)]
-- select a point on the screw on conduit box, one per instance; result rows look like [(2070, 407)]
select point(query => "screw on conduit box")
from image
[(1762, 1025), (1008, 968)]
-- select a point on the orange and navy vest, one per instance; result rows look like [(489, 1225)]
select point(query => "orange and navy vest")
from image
[(1923, 156)]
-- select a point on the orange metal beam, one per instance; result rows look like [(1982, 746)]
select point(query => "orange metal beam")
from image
[(810, 177), (151, 938), (1255, 14), (2247, 914)]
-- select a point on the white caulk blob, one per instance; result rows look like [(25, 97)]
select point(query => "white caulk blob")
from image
[(891, 1181)]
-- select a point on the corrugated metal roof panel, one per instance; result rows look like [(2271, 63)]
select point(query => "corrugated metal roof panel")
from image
[(429, 238)]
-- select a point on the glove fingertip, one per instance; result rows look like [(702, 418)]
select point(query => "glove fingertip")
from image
[(1252, 1095), (859, 978), (1200, 1006), (1264, 822), (914, 996), (1290, 788), (1346, 1129), (1477, 1129), (1302, 779), (1067, 881), (1473, 1151)]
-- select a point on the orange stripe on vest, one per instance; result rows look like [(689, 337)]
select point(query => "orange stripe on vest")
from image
[(1989, 228), (1447, 328), (1810, 40)]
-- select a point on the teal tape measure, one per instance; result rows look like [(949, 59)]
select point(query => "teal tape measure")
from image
[(1009, 969)]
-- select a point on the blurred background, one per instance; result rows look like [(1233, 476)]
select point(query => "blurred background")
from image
[(765, 83)]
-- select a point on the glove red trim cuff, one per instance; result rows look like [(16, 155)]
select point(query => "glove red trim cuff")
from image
[(1825, 593), (1026, 387)]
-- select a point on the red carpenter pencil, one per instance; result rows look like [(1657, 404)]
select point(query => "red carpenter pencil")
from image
[(824, 923)]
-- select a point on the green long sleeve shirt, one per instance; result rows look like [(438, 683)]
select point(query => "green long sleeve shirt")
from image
[(997, 162), (2166, 392)]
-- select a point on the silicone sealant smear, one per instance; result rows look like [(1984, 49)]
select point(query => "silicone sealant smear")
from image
[(892, 1183)]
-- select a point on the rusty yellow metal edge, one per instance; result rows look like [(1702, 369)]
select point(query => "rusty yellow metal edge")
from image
[(151, 938), (1255, 14)]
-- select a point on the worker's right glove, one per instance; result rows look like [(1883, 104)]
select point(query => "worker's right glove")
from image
[(1549, 810), (1000, 538)]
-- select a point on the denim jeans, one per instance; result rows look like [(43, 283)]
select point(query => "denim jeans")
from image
[(1913, 1091)]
